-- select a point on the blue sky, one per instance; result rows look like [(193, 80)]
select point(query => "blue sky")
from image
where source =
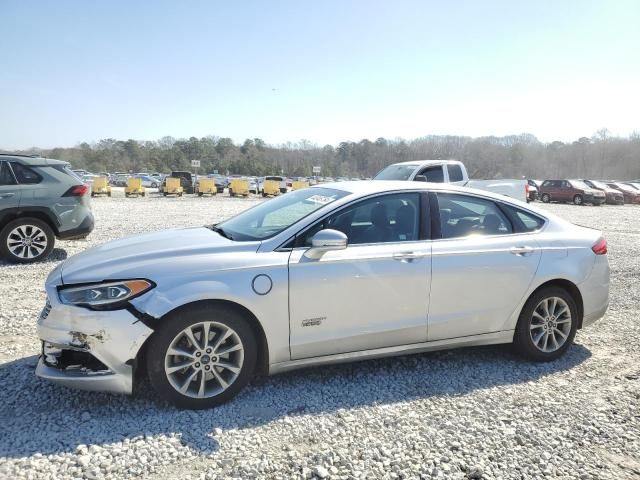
[(328, 71)]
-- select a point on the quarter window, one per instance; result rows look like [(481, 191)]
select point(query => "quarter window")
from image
[(25, 175), (6, 178), (463, 216), (382, 219)]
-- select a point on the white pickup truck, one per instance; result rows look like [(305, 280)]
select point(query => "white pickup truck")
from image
[(454, 172)]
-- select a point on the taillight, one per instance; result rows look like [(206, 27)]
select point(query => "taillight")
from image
[(77, 191), (600, 247)]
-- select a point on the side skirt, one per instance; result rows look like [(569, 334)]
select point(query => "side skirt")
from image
[(505, 336)]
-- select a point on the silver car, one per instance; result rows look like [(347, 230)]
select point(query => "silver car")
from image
[(326, 274)]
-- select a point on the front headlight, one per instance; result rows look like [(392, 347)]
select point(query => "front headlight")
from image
[(105, 295)]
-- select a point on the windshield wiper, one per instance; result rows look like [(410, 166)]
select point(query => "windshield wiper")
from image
[(219, 230)]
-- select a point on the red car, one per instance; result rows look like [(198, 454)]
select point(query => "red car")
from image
[(575, 191), (613, 196), (631, 195)]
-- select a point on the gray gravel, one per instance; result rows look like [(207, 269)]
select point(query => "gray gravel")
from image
[(474, 413)]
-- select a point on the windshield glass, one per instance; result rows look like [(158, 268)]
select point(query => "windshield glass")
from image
[(396, 172), (274, 216), (579, 184), (598, 184)]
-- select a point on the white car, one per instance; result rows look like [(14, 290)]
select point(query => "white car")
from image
[(148, 181), (325, 274)]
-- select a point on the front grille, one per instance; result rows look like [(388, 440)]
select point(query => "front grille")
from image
[(45, 311)]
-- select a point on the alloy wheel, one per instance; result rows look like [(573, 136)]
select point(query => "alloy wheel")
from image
[(204, 359), (550, 324), (27, 241)]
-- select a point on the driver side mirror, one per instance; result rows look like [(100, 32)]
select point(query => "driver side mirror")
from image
[(325, 241), (420, 178)]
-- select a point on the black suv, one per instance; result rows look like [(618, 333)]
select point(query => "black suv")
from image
[(40, 200), (186, 181)]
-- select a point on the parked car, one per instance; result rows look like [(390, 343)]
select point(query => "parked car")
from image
[(612, 196), (255, 186), (532, 190), (283, 182), (273, 289), (121, 179), (575, 191), (453, 172), (40, 200), (148, 181), (635, 185), (222, 182), (631, 195)]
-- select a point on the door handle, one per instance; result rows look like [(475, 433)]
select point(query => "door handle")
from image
[(6, 195), (521, 251), (408, 256)]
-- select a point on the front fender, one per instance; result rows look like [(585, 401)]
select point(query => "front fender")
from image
[(270, 309)]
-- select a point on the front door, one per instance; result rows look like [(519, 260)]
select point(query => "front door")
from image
[(481, 269), (374, 293)]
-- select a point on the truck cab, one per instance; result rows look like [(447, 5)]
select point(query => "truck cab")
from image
[(454, 172)]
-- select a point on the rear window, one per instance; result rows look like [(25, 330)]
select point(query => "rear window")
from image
[(455, 173), (433, 174), (396, 172), (25, 175)]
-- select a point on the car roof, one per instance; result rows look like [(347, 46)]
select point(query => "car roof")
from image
[(426, 162), (32, 161)]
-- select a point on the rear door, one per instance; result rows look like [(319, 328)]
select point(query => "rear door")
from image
[(10, 192), (481, 268)]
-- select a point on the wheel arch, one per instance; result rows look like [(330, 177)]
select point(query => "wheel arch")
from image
[(42, 214), (571, 288), (262, 361)]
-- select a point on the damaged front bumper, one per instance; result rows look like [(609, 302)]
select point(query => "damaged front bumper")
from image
[(87, 349)]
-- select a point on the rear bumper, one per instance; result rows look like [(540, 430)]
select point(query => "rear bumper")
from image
[(595, 291), (81, 231)]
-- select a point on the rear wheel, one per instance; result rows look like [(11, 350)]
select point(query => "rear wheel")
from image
[(26, 240), (577, 200), (545, 198), (547, 325), (201, 357)]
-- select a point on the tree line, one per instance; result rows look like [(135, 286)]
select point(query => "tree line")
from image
[(601, 156)]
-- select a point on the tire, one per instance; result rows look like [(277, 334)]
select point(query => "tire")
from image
[(577, 200), (231, 192), (143, 194), (200, 194), (531, 325), (39, 234), (154, 185), (109, 194), (545, 198), (165, 194), (243, 361), (264, 195)]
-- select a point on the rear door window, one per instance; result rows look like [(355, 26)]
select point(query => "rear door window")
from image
[(24, 174), (6, 177), (464, 216), (455, 173)]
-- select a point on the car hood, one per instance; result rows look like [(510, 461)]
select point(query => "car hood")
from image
[(147, 255)]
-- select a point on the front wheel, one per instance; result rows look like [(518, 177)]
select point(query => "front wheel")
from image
[(26, 240), (201, 357), (577, 200), (547, 325)]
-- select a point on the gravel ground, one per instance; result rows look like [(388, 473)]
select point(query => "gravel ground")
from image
[(473, 413)]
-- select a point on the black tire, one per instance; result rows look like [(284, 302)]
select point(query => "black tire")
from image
[(109, 194), (264, 194), (172, 325), (47, 236), (545, 198), (578, 200), (230, 192), (165, 194), (143, 194), (200, 194), (522, 341)]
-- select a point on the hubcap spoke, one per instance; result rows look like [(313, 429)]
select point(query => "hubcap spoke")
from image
[(195, 369), (550, 324)]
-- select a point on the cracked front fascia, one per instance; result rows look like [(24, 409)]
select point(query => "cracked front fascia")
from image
[(85, 341)]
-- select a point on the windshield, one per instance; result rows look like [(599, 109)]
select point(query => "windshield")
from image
[(626, 188), (274, 216), (396, 172), (579, 184), (598, 184)]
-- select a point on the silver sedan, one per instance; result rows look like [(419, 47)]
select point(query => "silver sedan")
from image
[(326, 274)]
